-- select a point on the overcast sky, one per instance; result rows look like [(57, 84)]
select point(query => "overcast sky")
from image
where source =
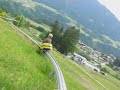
[(113, 6)]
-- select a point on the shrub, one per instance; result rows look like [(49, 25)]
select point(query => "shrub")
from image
[(104, 69)]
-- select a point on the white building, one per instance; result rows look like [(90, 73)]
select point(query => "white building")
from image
[(80, 59)]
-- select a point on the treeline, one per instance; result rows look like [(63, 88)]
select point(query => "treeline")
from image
[(65, 40)]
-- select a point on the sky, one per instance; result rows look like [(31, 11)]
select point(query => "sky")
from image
[(113, 6)]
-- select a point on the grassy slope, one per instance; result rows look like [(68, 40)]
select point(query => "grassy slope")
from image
[(76, 79), (113, 73), (46, 27), (21, 68)]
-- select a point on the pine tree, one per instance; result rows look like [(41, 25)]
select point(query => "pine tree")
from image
[(57, 31), (69, 40), (64, 41)]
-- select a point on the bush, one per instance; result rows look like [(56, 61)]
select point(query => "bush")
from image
[(4, 14), (40, 29), (117, 76), (85, 55), (20, 22), (2, 10), (105, 70)]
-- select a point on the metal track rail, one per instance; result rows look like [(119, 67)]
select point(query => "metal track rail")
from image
[(8, 19), (59, 75), (60, 78)]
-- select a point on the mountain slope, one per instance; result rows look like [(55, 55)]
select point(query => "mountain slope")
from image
[(21, 68), (97, 22), (91, 14), (35, 11), (100, 28)]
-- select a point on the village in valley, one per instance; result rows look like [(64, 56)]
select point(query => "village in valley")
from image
[(96, 59)]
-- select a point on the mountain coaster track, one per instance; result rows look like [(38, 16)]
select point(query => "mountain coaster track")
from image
[(59, 75)]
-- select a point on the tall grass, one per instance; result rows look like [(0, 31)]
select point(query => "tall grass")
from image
[(21, 68)]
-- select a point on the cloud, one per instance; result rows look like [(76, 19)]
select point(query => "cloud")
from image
[(113, 6)]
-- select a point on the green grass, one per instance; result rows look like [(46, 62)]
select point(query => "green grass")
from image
[(44, 26), (21, 68), (111, 71), (32, 33), (76, 79)]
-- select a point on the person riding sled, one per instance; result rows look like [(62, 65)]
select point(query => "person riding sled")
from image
[(46, 43)]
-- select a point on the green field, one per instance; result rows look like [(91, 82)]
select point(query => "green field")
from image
[(22, 68), (76, 79), (46, 27), (112, 72)]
